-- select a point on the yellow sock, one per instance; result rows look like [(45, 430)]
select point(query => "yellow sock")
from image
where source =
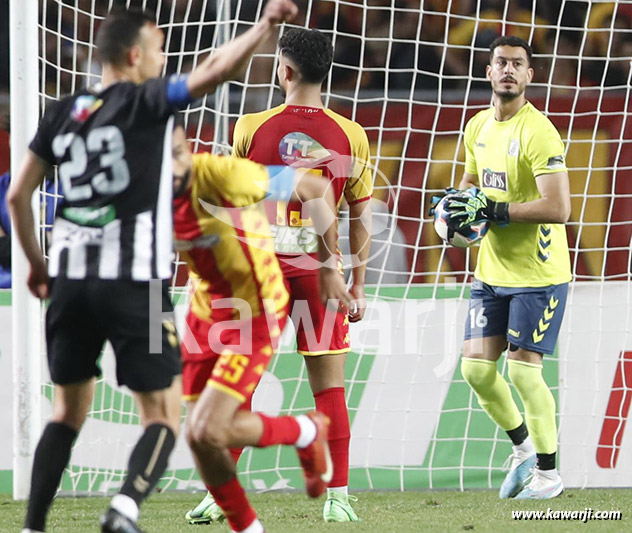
[(539, 404), (492, 392)]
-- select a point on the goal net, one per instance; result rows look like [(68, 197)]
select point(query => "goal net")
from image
[(412, 73)]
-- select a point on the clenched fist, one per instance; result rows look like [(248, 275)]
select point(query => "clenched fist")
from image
[(279, 11)]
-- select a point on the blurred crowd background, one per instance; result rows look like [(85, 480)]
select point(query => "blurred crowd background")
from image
[(394, 45), (417, 52)]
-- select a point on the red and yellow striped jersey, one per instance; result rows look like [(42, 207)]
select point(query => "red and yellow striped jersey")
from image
[(306, 137), (222, 233)]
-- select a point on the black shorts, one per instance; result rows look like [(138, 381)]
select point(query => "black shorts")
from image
[(83, 314)]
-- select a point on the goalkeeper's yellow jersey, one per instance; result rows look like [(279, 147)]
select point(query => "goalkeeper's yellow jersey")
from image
[(507, 156)]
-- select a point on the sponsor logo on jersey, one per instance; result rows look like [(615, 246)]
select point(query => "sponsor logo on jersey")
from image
[(85, 106), (480, 145), (95, 217), (555, 162), (494, 180), (297, 147), (68, 234), (514, 148), (205, 241), (294, 240)]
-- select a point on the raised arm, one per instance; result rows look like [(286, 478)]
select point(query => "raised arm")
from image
[(228, 60)]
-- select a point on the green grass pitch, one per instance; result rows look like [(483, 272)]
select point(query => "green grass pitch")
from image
[(390, 512)]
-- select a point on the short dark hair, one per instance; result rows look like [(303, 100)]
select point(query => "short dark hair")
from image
[(310, 50), (510, 40), (119, 32)]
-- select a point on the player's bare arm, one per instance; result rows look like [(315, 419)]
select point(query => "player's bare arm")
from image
[(228, 60), (553, 207), (468, 180), (317, 193), (333, 288), (360, 247), (30, 176)]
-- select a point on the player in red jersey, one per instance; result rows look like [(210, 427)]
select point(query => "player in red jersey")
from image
[(238, 310), (303, 133)]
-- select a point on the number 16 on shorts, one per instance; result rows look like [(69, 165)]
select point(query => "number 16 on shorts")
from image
[(476, 325)]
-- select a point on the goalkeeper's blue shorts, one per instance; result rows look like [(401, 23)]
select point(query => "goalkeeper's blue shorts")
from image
[(529, 317)]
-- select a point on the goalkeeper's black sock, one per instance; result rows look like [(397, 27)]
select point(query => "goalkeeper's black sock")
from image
[(51, 457), (518, 435), (546, 461), (148, 461)]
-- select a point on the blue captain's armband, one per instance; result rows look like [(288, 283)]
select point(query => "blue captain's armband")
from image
[(281, 182), (178, 92)]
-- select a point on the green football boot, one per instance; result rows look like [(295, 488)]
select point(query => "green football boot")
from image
[(207, 511), (338, 509)]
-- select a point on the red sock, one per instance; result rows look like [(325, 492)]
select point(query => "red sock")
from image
[(332, 403), (278, 430), (231, 497), (236, 452)]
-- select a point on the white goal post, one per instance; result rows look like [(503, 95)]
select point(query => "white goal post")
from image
[(412, 73), (26, 317)]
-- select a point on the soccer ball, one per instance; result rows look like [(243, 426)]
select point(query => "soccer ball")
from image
[(464, 237)]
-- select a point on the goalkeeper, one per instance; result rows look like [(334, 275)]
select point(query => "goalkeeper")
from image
[(516, 157)]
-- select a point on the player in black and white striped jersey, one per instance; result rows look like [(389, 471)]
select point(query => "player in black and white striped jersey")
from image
[(113, 235)]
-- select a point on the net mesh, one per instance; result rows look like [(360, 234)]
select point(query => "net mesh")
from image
[(412, 73)]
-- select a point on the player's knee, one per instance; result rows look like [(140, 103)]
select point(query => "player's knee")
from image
[(173, 418), (69, 416), (523, 376), (70, 420), (160, 407), (479, 373), (173, 423), (207, 436)]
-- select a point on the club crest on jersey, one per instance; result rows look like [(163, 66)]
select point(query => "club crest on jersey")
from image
[(494, 180), (84, 107), (297, 147), (514, 148)]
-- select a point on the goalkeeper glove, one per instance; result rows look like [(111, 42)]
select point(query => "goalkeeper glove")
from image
[(472, 205), (436, 198)]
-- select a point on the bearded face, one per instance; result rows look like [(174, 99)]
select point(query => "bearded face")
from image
[(509, 72)]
